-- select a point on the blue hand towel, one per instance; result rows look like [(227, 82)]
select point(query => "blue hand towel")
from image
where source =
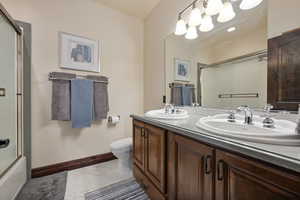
[(81, 103), (186, 96)]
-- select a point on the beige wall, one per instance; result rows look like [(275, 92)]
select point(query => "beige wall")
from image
[(121, 40), (240, 44), (283, 16)]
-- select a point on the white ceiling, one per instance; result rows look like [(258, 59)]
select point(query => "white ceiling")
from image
[(138, 8)]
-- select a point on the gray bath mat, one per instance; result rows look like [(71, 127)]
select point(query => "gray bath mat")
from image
[(124, 190), (51, 187)]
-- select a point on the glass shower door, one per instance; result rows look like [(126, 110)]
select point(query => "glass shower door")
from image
[(8, 95)]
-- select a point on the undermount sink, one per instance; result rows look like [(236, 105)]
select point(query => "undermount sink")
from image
[(282, 134), (161, 114)]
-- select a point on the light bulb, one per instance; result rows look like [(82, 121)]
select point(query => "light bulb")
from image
[(249, 4), (195, 17), (191, 33), (227, 13), (214, 7), (207, 24), (180, 27)]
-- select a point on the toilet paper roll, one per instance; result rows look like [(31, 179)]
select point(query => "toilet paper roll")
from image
[(114, 119)]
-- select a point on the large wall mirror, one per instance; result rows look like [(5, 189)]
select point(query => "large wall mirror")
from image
[(228, 66)]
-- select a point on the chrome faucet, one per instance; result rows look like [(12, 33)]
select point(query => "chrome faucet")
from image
[(169, 109), (268, 121), (248, 114)]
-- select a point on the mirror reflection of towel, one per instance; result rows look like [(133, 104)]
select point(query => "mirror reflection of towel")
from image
[(176, 94), (187, 98), (182, 95)]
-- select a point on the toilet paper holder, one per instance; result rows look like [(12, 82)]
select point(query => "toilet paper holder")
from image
[(110, 119)]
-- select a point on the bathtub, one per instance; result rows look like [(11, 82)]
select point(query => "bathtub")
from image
[(13, 180)]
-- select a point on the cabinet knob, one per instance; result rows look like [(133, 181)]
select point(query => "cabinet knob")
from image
[(143, 132), (208, 164), (220, 168)]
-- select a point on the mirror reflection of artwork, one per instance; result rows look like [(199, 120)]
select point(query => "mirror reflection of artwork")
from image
[(182, 70), (79, 53)]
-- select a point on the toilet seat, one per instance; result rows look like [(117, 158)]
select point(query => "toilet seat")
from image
[(123, 145), (122, 150)]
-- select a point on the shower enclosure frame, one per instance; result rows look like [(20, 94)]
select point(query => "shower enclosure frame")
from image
[(19, 94)]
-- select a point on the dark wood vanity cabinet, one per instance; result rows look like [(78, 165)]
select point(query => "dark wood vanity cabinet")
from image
[(238, 178), (190, 169), (174, 167), (149, 155)]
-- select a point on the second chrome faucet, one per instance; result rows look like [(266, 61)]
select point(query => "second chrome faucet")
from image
[(248, 114)]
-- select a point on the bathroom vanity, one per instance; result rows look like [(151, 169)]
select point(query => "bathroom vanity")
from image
[(176, 160)]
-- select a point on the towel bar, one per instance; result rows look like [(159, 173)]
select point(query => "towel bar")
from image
[(69, 79), (172, 85), (245, 95)]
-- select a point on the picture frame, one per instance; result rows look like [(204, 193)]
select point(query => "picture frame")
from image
[(78, 53), (182, 70)]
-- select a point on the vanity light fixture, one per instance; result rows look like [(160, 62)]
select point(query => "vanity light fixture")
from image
[(227, 13), (180, 27), (195, 16), (209, 8), (207, 24), (191, 33), (231, 29), (213, 7), (249, 4)]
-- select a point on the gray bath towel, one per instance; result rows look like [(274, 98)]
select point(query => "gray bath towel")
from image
[(193, 89), (61, 103), (176, 94), (81, 103), (101, 104)]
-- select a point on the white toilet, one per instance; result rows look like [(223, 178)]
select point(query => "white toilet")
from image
[(122, 149)]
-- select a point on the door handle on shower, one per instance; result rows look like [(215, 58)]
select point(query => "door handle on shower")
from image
[(4, 143)]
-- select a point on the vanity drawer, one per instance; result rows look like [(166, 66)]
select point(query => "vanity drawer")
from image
[(150, 189)]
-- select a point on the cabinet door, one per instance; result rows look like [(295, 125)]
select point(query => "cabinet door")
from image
[(147, 185), (155, 157), (242, 179), (190, 169), (284, 71), (138, 144)]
